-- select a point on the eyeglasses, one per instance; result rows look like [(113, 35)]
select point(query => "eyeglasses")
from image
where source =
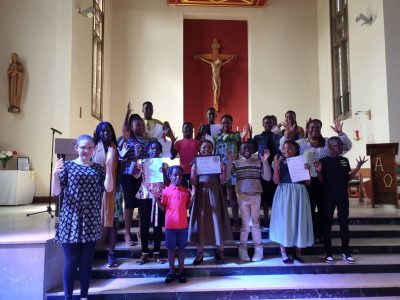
[(88, 148)]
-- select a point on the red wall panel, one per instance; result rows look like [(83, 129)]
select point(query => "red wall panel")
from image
[(197, 82)]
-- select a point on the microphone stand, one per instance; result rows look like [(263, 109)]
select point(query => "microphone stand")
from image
[(49, 210)]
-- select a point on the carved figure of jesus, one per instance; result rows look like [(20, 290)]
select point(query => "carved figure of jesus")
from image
[(216, 61), (16, 75)]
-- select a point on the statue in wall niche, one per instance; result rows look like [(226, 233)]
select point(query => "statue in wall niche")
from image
[(216, 61), (16, 76)]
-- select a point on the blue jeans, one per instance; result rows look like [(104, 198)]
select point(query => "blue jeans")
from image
[(77, 255)]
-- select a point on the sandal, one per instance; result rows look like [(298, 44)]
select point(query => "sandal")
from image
[(143, 259), (288, 260), (219, 257), (199, 259), (158, 259), (128, 240)]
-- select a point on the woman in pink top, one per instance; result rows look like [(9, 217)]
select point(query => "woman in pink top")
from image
[(175, 201), (187, 148)]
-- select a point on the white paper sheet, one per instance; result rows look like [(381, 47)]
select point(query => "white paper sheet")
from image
[(151, 170), (215, 129), (296, 168)]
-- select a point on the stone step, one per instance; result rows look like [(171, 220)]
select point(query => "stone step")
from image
[(271, 265), (246, 287), (358, 246), (356, 231), (353, 220)]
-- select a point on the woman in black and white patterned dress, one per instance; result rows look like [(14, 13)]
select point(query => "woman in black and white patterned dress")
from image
[(82, 184)]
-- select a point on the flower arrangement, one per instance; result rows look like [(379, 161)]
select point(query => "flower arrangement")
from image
[(5, 156)]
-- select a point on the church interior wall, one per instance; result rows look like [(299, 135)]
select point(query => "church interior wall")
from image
[(391, 10), (289, 68), (40, 33), (367, 74), (147, 58), (81, 119)]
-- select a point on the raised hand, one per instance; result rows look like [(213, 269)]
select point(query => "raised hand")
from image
[(318, 166), (58, 167), (167, 129), (243, 133), (128, 108), (337, 126), (277, 160), (288, 129), (250, 131), (231, 157), (164, 168), (361, 161), (110, 157), (122, 152), (172, 136), (265, 156)]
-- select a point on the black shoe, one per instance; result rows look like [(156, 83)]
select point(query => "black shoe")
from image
[(182, 278), (199, 259), (298, 259), (219, 257), (111, 260), (170, 278), (286, 260)]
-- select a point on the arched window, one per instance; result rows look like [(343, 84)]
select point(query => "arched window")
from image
[(340, 59)]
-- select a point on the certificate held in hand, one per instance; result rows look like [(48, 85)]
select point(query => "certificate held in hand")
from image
[(296, 168), (208, 165), (151, 170)]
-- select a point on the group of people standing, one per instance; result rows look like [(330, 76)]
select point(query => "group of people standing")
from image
[(108, 170)]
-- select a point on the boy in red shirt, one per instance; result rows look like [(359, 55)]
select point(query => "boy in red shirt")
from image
[(175, 201), (187, 148)]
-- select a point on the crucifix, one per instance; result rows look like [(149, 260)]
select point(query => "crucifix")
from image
[(216, 60)]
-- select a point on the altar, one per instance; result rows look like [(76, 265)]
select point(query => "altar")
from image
[(16, 187)]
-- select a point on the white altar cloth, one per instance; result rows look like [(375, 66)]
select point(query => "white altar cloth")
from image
[(16, 187)]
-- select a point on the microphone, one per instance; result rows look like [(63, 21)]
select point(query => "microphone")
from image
[(55, 130)]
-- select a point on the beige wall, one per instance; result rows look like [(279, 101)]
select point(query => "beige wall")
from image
[(289, 67), (81, 71), (367, 73), (391, 10), (55, 46), (147, 57), (40, 32)]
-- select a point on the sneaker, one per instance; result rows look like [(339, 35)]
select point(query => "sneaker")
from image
[(112, 260), (143, 259), (243, 255), (182, 278), (170, 277), (348, 259), (329, 259), (258, 253)]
